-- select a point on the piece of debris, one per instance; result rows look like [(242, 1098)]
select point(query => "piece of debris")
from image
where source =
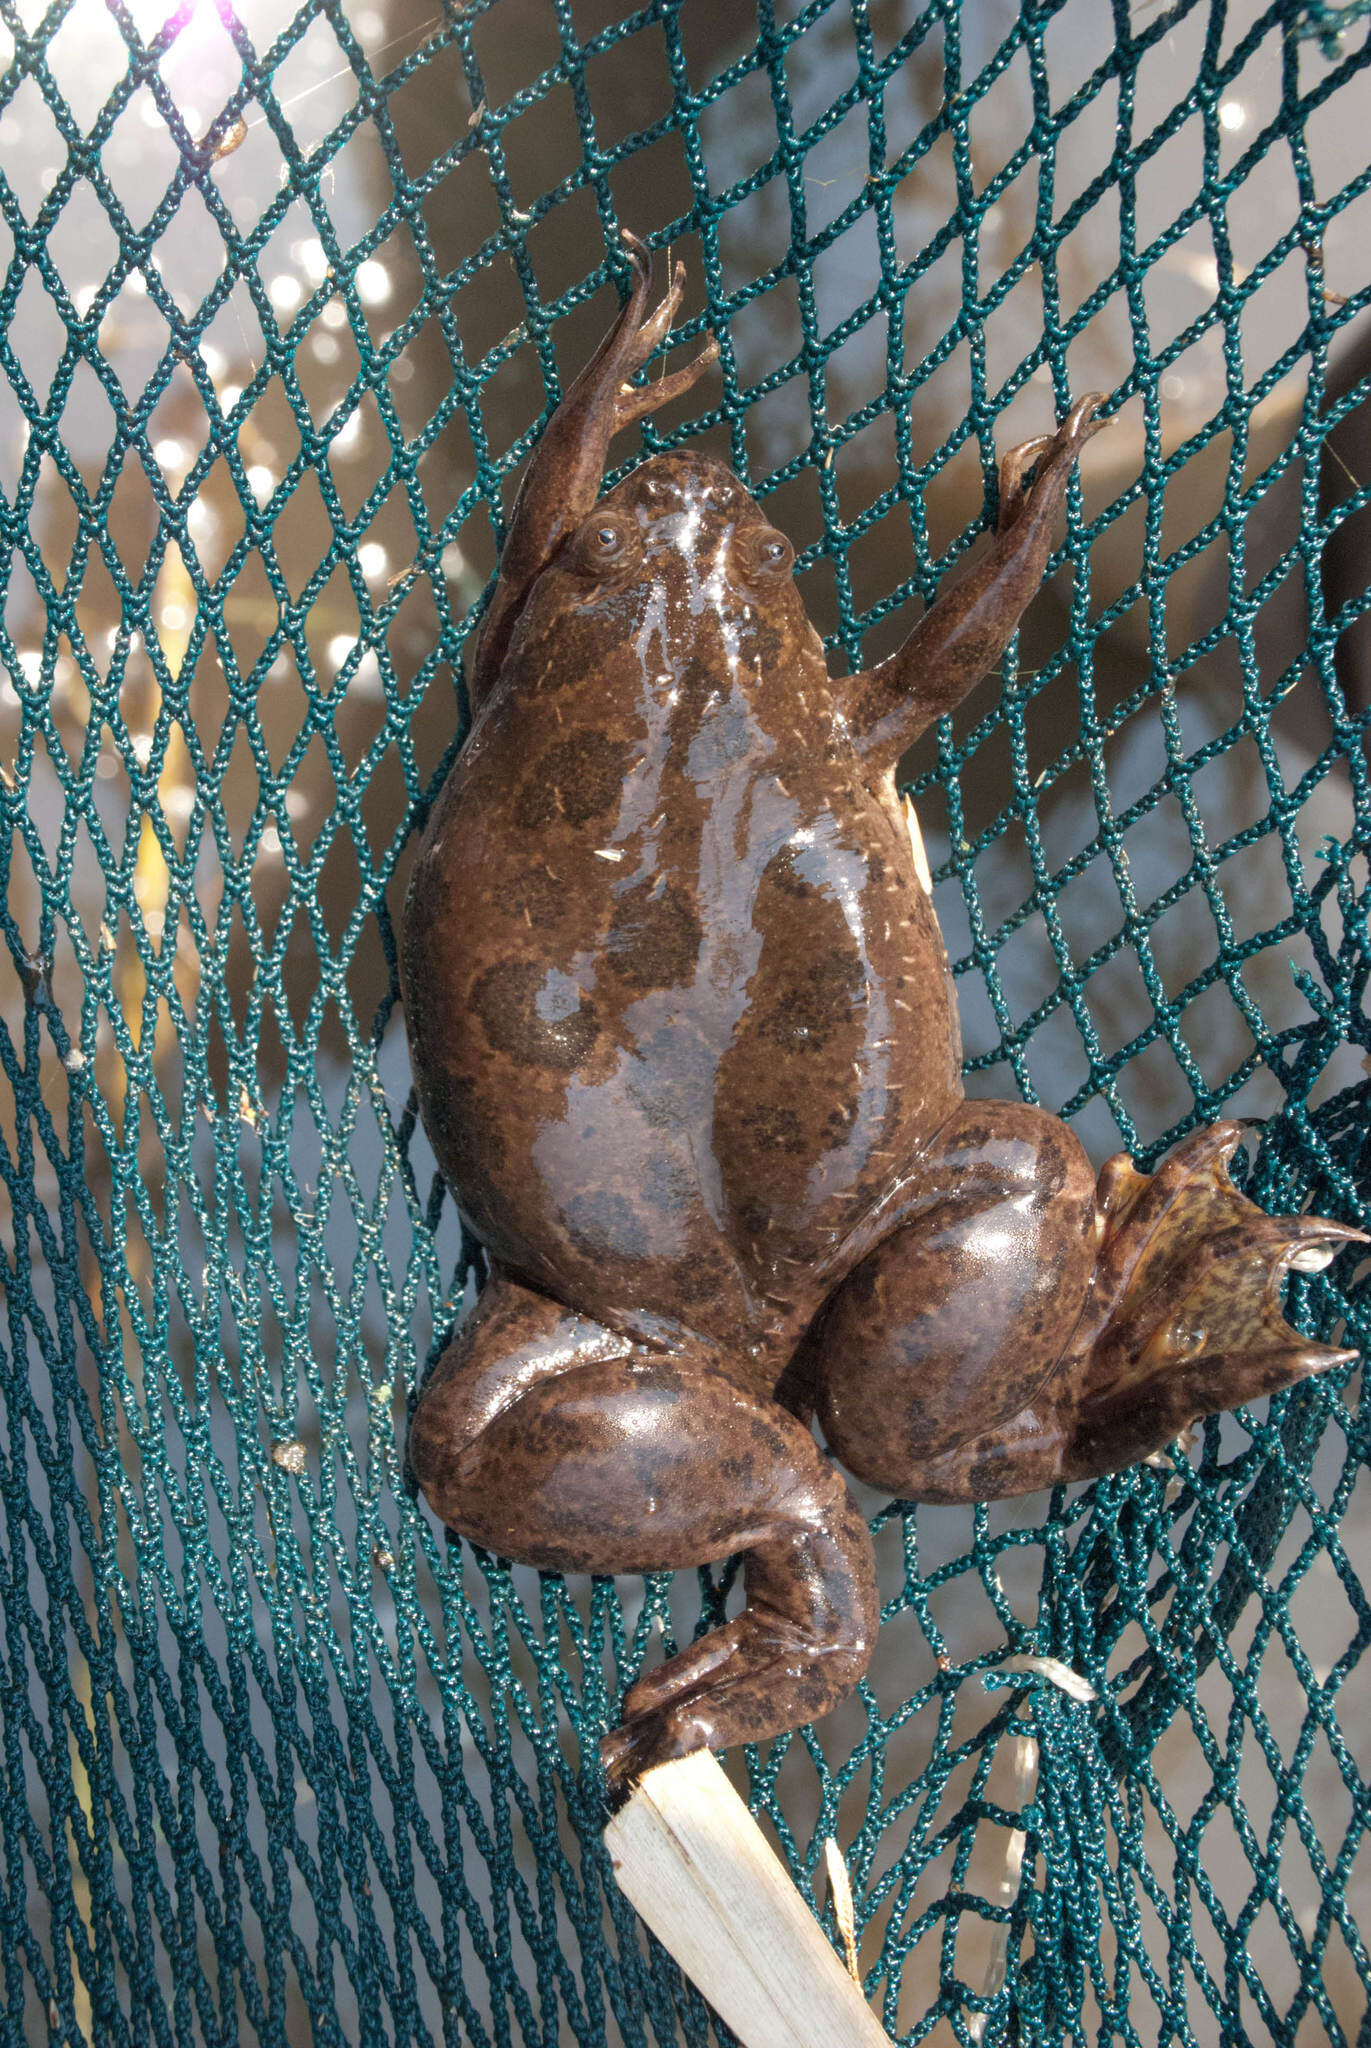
[(233, 137), (840, 1891)]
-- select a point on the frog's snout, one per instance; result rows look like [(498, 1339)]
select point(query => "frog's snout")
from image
[(671, 494), (683, 483)]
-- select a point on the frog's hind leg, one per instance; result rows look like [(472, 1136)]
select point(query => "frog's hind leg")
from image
[(1178, 1316), (958, 1315), (546, 1437)]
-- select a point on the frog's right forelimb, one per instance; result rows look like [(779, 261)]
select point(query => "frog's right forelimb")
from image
[(961, 637)]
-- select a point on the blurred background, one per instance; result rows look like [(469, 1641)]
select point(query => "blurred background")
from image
[(286, 297)]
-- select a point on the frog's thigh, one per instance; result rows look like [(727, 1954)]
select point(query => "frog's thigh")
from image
[(956, 1318), (546, 1437)]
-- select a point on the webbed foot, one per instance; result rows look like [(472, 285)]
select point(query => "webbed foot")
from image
[(1184, 1313), (1025, 1325)]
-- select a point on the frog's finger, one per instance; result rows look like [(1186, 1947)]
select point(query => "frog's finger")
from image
[(634, 400), (1080, 423), (615, 347), (639, 254), (1013, 469), (1079, 426), (655, 329)]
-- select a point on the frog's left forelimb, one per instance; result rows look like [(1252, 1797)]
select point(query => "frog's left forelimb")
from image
[(964, 634), (567, 467)]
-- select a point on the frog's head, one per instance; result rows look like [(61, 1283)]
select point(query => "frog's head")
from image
[(684, 533)]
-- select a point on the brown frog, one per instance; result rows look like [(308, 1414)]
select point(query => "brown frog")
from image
[(687, 1048)]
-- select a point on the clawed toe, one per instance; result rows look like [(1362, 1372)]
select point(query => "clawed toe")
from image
[(1081, 422), (1310, 1243), (1080, 425), (1188, 1315)]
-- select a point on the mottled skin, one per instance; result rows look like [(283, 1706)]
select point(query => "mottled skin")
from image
[(686, 1046)]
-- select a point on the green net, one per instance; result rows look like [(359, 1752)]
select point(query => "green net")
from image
[(285, 299)]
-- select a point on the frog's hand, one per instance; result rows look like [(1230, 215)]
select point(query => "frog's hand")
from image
[(563, 478), (965, 633), (1185, 1306)]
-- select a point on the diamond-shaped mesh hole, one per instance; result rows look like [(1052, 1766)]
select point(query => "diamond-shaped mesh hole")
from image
[(314, 84)]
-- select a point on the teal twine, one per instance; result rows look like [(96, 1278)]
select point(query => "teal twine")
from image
[(279, 1761)]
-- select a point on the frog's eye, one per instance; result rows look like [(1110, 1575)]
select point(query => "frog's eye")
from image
[(604, 542), (767, 553)]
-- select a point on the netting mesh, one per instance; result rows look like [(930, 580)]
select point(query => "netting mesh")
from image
[(285, 299)]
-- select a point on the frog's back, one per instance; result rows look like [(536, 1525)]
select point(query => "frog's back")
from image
[(676, 992)]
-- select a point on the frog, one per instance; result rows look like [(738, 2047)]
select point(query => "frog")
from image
[(685, 1043)]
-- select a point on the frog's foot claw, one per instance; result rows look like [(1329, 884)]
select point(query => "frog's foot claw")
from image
[(639, 336), (723, 1690), (1184, 1313), (797, 1648), (1050, 457)]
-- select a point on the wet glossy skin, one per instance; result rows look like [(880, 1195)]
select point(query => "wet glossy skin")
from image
[(696, 1019), (686, 1047)]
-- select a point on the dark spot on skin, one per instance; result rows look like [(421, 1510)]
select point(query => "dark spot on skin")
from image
[(986, 1475), (654, 939), (703, 1279), (603, 1224), (875, 867), (577, 779), (812, 1689), (534, 895), (753, 1217), (763, 643), (693, 681), (774, 1128), (659, 1112), (861, 1285), (506, 999), (809, 1010), (668, 1184), (768, 1440)]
